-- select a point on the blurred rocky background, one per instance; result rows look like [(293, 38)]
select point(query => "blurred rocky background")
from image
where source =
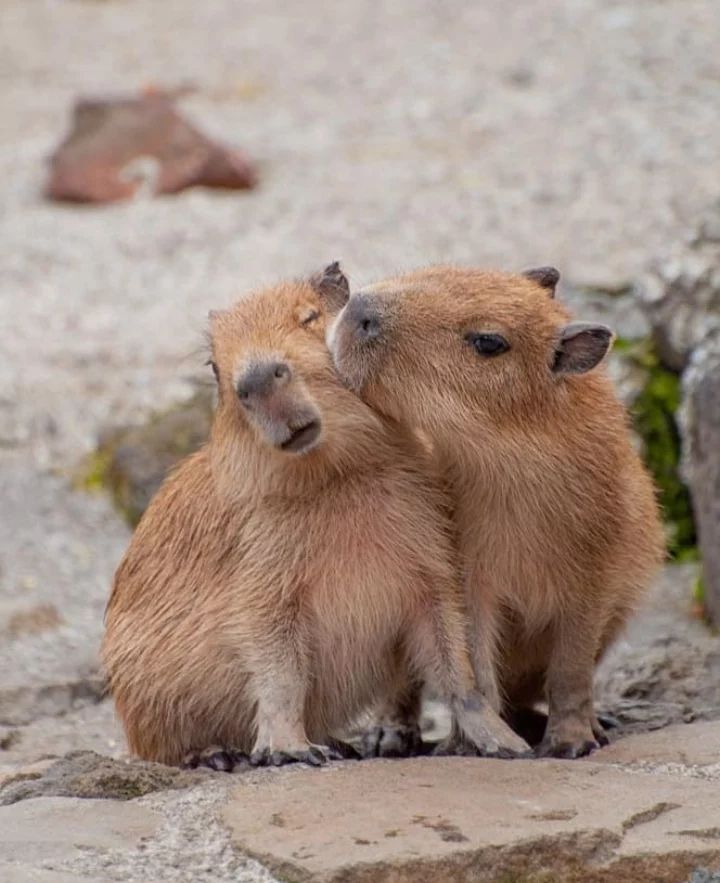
[(240, 143)]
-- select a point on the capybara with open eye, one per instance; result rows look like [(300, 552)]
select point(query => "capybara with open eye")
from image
[(556, 515), (289, 575)]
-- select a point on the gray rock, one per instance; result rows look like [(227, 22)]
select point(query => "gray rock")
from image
[(164, 836), (58, 550), (23, 704), (89, 775), (665, 668), (458, 819), (681, 298), (90, 727), (681, 295), (701, 437), (50, 831), (702, 875), (620, 310)]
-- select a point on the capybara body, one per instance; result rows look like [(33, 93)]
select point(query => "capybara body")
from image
[(556, 515), (288, 576)]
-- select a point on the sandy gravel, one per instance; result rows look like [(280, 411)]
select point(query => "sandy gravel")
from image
[(577, 132)]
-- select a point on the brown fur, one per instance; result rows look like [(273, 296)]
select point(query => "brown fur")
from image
[(557, 517), (266, 595)]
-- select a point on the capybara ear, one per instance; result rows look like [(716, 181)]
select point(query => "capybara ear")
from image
[(581, 347), (332, 285), (215, 371), (546, 277)]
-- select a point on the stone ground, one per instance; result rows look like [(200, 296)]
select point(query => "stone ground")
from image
[(576, 133)]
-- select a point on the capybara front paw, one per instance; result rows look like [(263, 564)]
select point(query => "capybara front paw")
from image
[(567, 750), (313, 755), (392, 741), (608, 721), (343, 750), (221, 760), (453, 747), (478, 725), (491, 748), (599, 733)]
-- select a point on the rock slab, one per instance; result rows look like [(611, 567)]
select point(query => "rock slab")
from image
[(55, 829), (647, 808), (458, 819)]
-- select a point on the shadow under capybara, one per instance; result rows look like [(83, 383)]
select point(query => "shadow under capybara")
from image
[(556, 515)]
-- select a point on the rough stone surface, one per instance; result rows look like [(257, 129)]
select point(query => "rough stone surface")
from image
[(92, 727), (54, 829), (665, 668), (86, 774), (23, 773), (161, 837), (643, 809), (682, 745), (458, 819), (701, 434), (57, 551), (681, 297), (120, 146)]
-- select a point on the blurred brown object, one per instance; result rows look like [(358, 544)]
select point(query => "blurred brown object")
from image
[(120, 147)]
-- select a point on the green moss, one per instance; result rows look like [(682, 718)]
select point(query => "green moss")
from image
[(654, 417), (624, 344), (93, 475), (131, 462), (122, 788), (699, 592), (97, 474)]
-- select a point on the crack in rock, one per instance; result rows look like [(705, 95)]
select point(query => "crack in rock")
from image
[(649, 815)]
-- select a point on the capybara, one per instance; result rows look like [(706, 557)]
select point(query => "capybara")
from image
[(557, 518), (294, 572)]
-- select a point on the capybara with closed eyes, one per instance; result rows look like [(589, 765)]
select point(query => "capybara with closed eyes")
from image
[(295, 571)]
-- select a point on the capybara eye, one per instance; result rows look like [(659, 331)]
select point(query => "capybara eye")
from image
[(310, 317), (487, 344)]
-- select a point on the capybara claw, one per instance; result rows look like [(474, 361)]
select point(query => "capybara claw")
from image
[(313, 755), (221, 760), (566, 750)]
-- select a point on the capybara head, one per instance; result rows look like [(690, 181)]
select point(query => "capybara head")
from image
[(274, 373), (438, 345)]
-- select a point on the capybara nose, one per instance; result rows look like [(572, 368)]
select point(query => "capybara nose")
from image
[(363, 317), (262, 378)]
